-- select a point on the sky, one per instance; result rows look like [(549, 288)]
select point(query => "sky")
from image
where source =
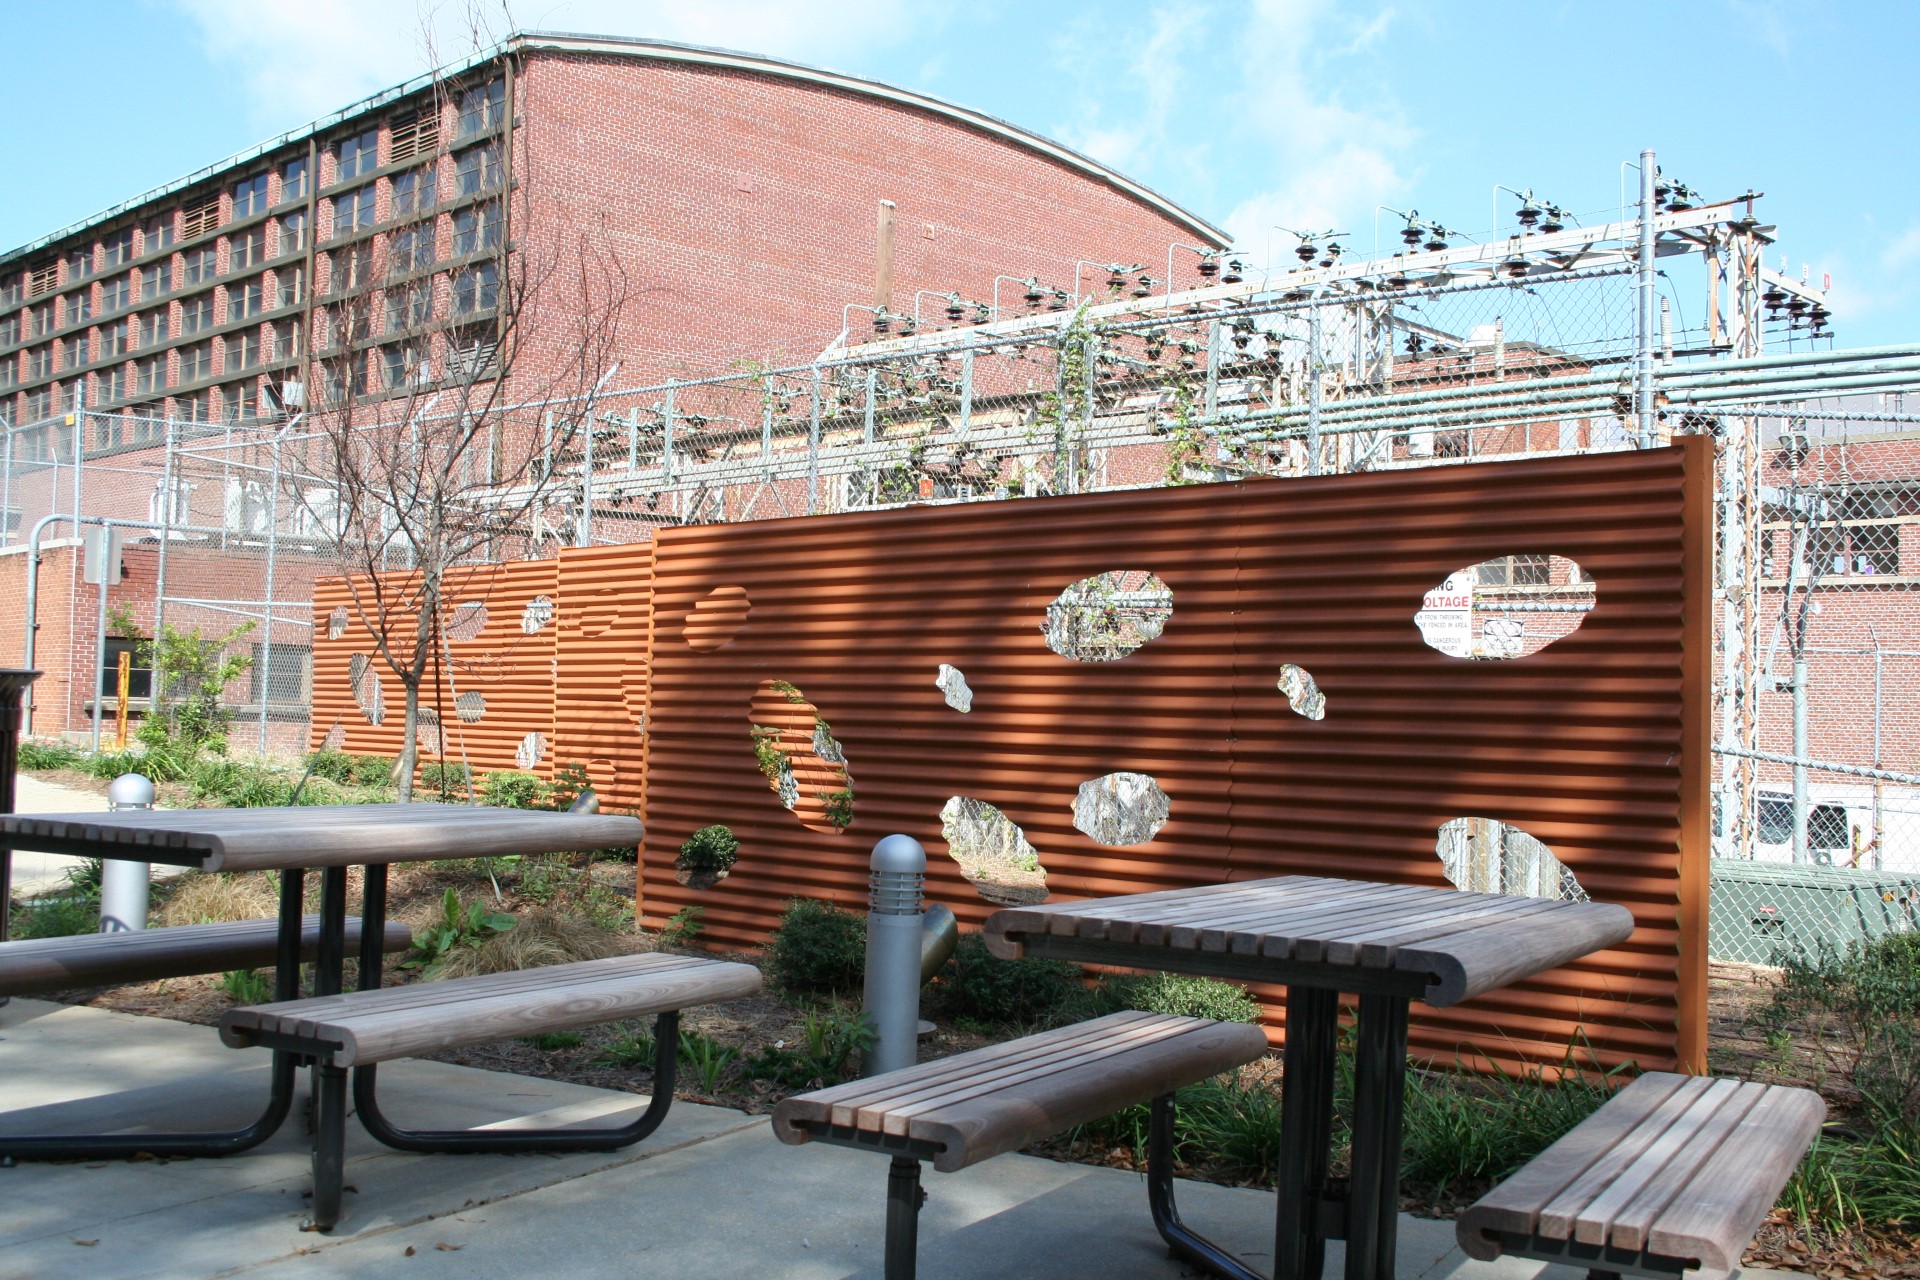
[(1304, 114)]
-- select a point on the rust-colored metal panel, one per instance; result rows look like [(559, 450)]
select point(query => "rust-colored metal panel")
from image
[(493, 687), (601, 687), (1594, 745)]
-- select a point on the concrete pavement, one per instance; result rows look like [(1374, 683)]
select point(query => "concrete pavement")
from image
[(711, 1194)]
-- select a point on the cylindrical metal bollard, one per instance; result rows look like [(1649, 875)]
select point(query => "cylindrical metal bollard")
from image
[(892, 998), (124, 885)]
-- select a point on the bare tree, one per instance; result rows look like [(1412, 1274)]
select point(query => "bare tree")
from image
[(451, 376)]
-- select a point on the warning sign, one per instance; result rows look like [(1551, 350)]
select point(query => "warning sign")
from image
[(1446, 615)]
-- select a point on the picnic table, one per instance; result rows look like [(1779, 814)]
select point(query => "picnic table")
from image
[(292, 840), (1388, 945)]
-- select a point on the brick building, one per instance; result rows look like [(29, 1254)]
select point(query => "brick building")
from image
[(741, 196)]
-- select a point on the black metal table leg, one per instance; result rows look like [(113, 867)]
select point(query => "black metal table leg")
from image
[(1306, 1132), (329, 1144), (211, 1143), (1181, 1239), (904, 1198), (1379, 1084)]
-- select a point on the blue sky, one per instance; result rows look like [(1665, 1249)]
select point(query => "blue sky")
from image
[(1304, 113)]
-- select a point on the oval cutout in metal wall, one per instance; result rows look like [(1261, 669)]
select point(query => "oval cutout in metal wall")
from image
[(993, 852), (1302, 694), (1121, 809), (803, 763), (1107, 616), (1486, 855), (467, 621), (1507, 607)]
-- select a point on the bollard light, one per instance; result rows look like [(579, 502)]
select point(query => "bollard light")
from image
[(124, 885), (892, 996)]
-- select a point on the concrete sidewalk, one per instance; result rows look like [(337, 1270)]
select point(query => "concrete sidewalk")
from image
[(711, 1194)]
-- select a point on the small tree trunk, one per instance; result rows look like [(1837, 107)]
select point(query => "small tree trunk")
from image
[(409, 747)]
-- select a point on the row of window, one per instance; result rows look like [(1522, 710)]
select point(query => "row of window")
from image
[(480, 110)]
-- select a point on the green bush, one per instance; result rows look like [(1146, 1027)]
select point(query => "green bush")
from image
[(43, 753), (711, 848), (978, 984), (445, 780), (334, 766), (1175, 993), (512, 789), (570, 782), (817, 947), (370, 771)]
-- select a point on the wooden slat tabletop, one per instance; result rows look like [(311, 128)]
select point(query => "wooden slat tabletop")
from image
[(1464, 943), (273, 839)]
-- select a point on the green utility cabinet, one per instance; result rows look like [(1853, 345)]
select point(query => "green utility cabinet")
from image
[(1760, 910)]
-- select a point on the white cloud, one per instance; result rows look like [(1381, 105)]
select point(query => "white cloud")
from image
[(1885, 285), (302, 60)]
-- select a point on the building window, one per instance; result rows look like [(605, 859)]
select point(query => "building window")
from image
[(40, 319), (153, 330), (39, 404), (79, 264), (9, 329), (154, 280), (197, 407), (482, 108), (477, 288), (199, 265), (286, 339), (414, 134), (139, 676), (283, 673), (476, 227), (413, 247), (197, 314), (43, 279), (196, 361), (113, 382), (9, 376), (240, 402), (200, 219), (246, 300), (40, 362), (78, 308), (409, 306), (246, 250), (76, 351), (353, 211), (293, 232), (351, 268), (250, 196), (291, 284), (477, 169), (1515, 571), (11, 293), (244, 350), (116, 294), (413, 191), (119, 247), (293, 179), (158, 234), (403, 364), (356, 155), (150, 375), (117, 339)]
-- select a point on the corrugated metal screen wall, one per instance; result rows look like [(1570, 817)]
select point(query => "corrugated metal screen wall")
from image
[(1595, 745)]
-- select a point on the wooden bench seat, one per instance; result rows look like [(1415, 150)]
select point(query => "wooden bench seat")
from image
[(359, 1029), (961, 1110), (1674, 1172), (36, 966)]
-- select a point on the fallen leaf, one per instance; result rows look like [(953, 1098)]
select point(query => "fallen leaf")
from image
[(444, 1247), (86, 1244), (408, 1253)]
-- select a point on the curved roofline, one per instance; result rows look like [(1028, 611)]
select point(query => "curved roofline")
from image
[(673, 51), (666, 51)]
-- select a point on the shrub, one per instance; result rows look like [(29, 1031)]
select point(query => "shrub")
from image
[(512, 789), (1176, 993), (824, 1056), (570, 782), (459, 928), (370, 771), (41, 753), (711, 848), (334, 766), (817, 947), (978, 984), (446, 780)]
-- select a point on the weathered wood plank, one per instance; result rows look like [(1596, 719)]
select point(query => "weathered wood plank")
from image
[(37, 966), (1558, 1215), (1593, 1219), (1028, 1107), (1724, 1203), (1630, 1223), (1478, 960), (374, 1026)]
